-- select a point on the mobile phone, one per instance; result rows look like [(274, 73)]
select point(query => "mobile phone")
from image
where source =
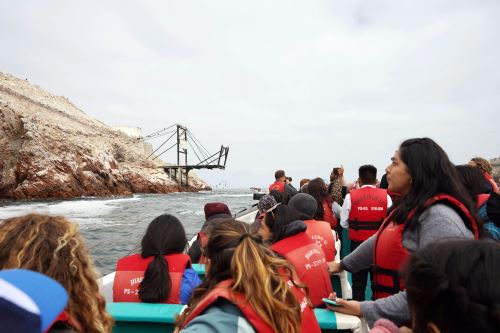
[(330, 302)]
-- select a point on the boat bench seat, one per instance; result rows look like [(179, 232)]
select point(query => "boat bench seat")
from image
[(144, 317)]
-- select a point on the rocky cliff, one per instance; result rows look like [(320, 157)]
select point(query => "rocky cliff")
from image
[(51, 149)]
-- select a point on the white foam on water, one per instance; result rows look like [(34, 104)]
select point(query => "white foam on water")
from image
[(79, 210), (234, 195)]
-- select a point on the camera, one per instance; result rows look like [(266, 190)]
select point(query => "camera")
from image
[(289, 179), (257, 196)]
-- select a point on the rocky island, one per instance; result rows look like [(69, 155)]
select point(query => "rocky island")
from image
[(51, 149)]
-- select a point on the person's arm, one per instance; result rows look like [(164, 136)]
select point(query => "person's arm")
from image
[(394, 308), (344, 213), (290, 190), (361, 258), (190, 280)]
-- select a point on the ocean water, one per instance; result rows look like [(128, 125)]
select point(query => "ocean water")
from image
[(113, 228)]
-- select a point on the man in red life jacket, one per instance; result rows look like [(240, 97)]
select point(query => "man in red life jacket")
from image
[(283, 184), (318, 231), (362, 213)]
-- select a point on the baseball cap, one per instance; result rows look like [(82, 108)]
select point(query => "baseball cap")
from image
[(29, 301)]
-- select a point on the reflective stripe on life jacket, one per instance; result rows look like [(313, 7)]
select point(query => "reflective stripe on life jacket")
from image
[(320, 232), (309, 262), (368, 209), (328, 215), (223, 290), (390, 254), (130, 273), (278, 186)]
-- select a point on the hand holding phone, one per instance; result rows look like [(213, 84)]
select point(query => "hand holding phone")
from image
[(330, 302)]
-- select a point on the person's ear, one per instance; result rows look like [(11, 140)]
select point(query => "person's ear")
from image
[(432, 328)]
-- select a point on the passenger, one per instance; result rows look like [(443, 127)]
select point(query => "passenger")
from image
[(162, 273), (29, 301), (318, 231), (282, 228), (473, 180), (214, 212), (324, 212), (363, 211), (282, 184), (434, 206), (335, 186), (303, 182), (53, 246), (247, 289), (453, 287), (490, 185), (265, 203)]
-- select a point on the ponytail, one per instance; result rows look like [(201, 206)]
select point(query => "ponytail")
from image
[(256, 274), (156, 285)]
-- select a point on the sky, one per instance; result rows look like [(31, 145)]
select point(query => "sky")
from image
[(302, 86)]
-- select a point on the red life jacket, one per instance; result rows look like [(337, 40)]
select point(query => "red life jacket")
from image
[(223, 290), (64, 317), (328, 215), (368, 208), (309, 262), (481, 199), (130, 272), (320, 232), (278, 186), (494, 185), (390, 254)]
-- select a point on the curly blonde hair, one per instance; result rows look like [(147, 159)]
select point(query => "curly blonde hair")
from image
[(53, 246)]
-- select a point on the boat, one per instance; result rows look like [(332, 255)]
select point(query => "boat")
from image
[(152, 318)]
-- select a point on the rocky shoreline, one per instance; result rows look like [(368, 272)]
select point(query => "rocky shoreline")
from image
[(51, 149)]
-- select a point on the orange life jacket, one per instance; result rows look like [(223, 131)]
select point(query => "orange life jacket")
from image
[(320, 232), (130, 272), (390, 254), (223, 290), (368, 209), (309, 262)]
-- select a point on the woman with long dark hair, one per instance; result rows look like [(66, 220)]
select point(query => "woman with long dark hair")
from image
[(434, 205), (453, 287), (282, 228), (162, 273), (473, 180), (246, 287), (324, 212)]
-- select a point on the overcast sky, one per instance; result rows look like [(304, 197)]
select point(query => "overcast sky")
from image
[(298, 85)]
